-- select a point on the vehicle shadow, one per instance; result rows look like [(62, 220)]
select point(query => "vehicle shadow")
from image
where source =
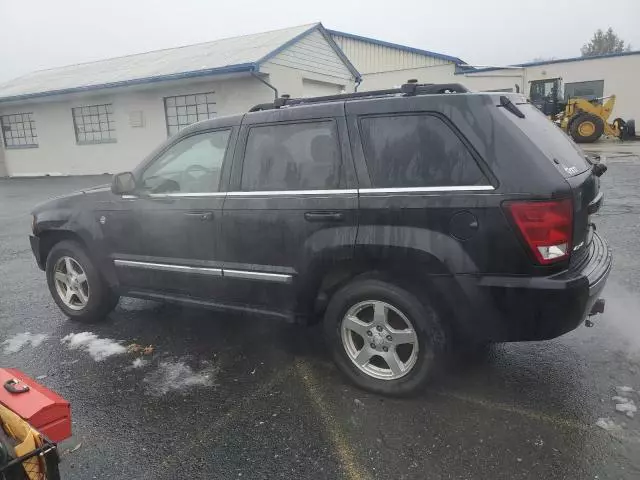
[(193, 331)]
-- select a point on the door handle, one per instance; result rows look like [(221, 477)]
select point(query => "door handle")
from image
[(203, 216), (324, 216)]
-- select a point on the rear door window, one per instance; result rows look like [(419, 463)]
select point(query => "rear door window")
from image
[(405, 151), (301, 156), (556, 145)]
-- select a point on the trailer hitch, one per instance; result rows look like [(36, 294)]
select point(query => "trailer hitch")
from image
[(598, 307)]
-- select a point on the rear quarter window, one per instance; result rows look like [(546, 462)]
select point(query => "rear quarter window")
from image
[(405, 151), (556, 145)]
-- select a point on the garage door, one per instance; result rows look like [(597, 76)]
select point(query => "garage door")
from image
[(313, 88)]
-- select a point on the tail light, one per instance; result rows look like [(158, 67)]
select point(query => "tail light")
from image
[(546, 227)]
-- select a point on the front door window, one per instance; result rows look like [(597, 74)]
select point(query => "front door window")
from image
[(192, 165)]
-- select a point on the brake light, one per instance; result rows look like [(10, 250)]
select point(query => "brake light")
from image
[(546, 227)]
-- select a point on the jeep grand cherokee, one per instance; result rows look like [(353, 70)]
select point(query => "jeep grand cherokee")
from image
[(407, 219)]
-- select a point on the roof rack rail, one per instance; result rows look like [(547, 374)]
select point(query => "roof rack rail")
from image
[(411, 88)]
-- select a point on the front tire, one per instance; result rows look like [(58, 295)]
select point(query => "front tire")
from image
[(586, 128), (76, 285), (383, 338)]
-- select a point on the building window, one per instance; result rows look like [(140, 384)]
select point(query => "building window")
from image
[(19, 130), (94, 124), (184, 110), (587, 90)]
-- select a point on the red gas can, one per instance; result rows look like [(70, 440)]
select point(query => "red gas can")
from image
[(43, 409)]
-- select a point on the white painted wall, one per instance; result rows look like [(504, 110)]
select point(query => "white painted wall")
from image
[(3, 167), (313, 55), (58, 153), (309, 66), (369, 57), (313, 88), (620, 75), (384, 80)]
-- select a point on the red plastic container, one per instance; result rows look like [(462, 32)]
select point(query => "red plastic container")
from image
[(43, 409)]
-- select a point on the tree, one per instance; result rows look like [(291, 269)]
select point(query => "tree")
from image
[(604, 42)]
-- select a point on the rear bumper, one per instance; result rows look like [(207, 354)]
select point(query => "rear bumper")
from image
[(536, 308), (35, 248)]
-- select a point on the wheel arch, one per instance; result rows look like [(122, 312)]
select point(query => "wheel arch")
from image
[(50, 238), (415, 270)]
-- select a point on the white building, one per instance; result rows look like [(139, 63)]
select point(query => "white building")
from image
[(105, 116), (613, 74)]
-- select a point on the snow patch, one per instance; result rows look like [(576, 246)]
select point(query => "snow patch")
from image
[(625, 405), (608, 425), (21, 340), (624, 391), (98, 348), (621, 399), (170, 376), (140, 363)]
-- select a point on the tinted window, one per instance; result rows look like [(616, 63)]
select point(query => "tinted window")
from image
[(551, 140), (588, 90), (192, 165), (303, 156), (416, 151)]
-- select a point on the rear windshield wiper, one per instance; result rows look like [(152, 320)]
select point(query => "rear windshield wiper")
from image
[(510, 106)]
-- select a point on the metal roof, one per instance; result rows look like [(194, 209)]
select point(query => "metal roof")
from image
[(236, 54), (404, 48)]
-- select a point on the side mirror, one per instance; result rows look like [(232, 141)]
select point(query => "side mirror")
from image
[(123, 183)]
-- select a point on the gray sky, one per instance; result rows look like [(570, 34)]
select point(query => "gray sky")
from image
[(36, 34)]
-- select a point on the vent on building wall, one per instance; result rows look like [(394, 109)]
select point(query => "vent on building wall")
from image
[(136, 119)]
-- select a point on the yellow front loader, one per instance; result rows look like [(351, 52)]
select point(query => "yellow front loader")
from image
[(586, 120)]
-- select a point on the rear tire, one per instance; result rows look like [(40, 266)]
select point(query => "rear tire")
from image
[(586, 128), (76, 285), (630, 129), (410, 331)]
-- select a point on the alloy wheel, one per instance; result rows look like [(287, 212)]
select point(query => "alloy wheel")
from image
[(379, 339), (71, 283)]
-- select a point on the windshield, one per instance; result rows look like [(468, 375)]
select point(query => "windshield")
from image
[(554, 143)]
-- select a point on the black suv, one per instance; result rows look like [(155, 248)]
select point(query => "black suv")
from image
[(409, 219)]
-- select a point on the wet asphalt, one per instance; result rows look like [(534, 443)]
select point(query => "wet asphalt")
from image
[(263, 400)]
